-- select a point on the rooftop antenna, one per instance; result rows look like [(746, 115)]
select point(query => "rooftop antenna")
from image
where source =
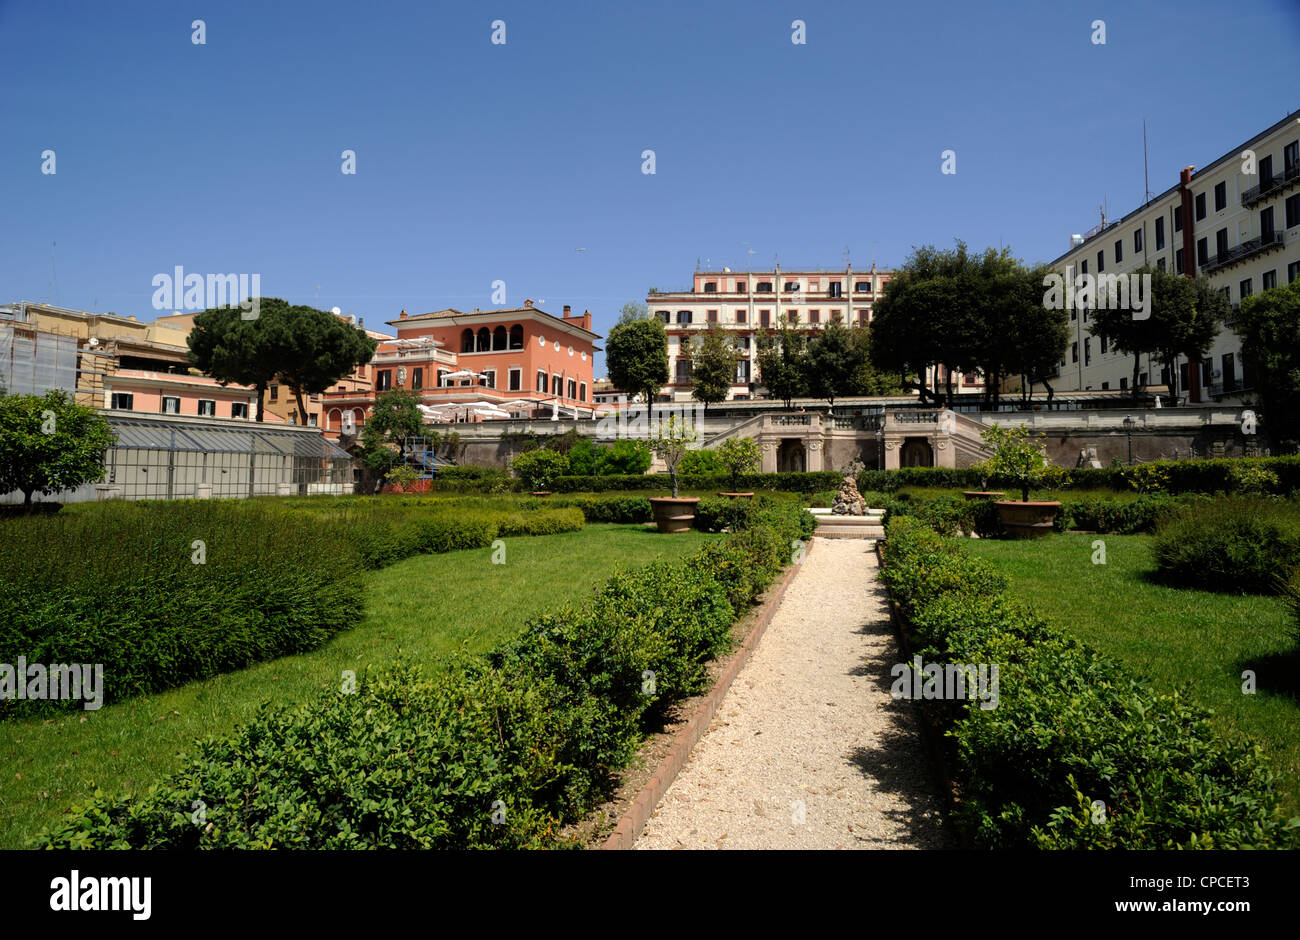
[(846, 256), (1146, 172)]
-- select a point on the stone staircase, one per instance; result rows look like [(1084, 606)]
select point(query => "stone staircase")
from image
[(831, 526)]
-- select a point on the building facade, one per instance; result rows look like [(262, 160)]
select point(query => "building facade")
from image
[(1240, 229)]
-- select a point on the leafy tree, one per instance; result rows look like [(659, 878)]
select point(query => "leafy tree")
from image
[(713, 366), (48, 443), (1017, 456), (867, 379), (701, 461), (636, 356), (1034, 337), (670, 444), (582, 457), (834, 360), (540, 468), (1128, 335), (1269, 326), (631, 312), (782, 363), (315, 349), (394, 420), (1186, 315), (231, 349), (738, 455)]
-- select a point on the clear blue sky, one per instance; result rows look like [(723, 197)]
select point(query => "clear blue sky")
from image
[(478, 162)]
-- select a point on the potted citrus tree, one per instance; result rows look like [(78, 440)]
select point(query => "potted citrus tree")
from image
[(1020, 459), (738, 455), (673, 513), (984, 470), (540, 468)]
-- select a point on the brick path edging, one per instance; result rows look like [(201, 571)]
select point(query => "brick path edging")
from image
[(638, 813)]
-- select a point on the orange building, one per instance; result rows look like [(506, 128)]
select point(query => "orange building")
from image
[(479, 365)]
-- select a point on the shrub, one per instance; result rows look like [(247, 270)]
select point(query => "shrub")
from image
[(582, 457), (1236, 545), (1070, 726), (623, 457), (165, 593), (701, 461), (540, 468), (715, 513), (1251, 479), (738, 455)]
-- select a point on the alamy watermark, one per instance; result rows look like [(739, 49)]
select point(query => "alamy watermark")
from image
[(1098, 292), (39, 682), (642, 422), (952, 682), (181, 291)]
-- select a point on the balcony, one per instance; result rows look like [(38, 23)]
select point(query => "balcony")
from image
[(1271, 186), (1247, 249), (1219, 389)]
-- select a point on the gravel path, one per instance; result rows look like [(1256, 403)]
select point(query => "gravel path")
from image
[(808, 749)]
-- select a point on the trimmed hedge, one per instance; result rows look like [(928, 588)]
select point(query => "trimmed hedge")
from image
[(469, 755), (949, 514), (129, 586), (662, 483), (1071, 726), (1235, 545)]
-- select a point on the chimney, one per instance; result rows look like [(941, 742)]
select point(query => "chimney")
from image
[(567, 311), (586, 320), (402, 315), (528, 304)]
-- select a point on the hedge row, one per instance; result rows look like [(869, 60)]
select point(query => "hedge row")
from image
[(1234, 545), (467, 754), (1070, 727), (662, 483), (162, 594)]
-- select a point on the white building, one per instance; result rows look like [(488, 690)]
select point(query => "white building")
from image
[(1240, 229)]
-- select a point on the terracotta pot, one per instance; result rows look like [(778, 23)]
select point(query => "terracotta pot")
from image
[(1027, 520), (983, 494), (738, 495), (674, 514)]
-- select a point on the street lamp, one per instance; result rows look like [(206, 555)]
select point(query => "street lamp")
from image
[(1128, 428)]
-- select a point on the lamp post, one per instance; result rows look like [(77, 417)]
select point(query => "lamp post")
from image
[(1128, 429)]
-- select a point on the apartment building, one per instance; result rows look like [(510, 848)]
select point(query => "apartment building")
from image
[(480, 364), (109, 361), (1240, 229), (748, 304)]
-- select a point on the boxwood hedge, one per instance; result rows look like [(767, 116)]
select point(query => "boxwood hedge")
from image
[(1077, 753)]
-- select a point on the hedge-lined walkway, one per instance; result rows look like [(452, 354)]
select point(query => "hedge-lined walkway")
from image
[(808, 749)]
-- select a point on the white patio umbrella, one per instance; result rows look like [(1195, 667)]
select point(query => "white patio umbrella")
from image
[(463, 374)]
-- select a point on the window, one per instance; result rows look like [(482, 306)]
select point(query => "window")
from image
[(1221, 243), (710, 287), (1266, 230), (467, 340), (1200, 206), (1083, 266), (1293, 210), (582, 391), (1119, 250), (683, 316), (1160, 233), (740, 315), (1220, 196), (712, 316), (573, 388), (814, 316), (1244, 289), (383, 380), (791, 286), (1123, 384), (740, 287), (792, 316), (275, 392), (864, 316), (239, 409), (1160, 264), (1178, 261), (1074, 352), (663, 315), (171, 405), (863, 287), (1291, 155), (517, 336), (1269, 280), (499, 338), (311, 421), (556, 388), (489, 379), (207, 408), (1292, 271), (442, 378), (837, 315), (742, 372), (1087, 350), (541, 382), (1137, 241), (742, 343), (123, 401), (836, 288), (1178, 218), (483, 341), (765, 318), (417, 378), (1229, 372), (1105, 386), (1101, 261), (764, 287)]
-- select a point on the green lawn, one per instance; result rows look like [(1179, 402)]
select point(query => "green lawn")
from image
[(1197, 639), (423, 608)]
